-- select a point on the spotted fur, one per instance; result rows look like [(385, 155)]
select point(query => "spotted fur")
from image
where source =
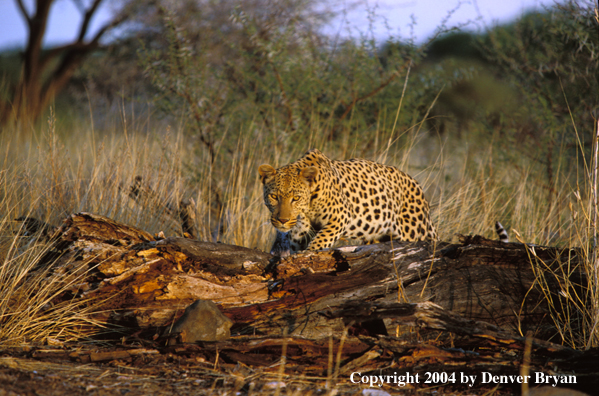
[(315, 201)]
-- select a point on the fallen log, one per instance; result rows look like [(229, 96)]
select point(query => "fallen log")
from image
[(148, 283), (415, 307)]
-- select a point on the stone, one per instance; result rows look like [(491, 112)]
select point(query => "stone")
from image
[(201, 321)]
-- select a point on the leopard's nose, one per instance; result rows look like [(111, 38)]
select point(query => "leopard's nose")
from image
[(283, 221)]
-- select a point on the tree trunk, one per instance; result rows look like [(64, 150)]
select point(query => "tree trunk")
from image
[(45, 74)]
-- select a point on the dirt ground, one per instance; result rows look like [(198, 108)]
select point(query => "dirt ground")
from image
[(148, 375), (145, 371)]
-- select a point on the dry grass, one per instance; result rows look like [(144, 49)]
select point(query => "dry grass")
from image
[(28, 311), (575, 308), (58, 172)]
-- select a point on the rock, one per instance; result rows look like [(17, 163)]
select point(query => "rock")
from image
[(201, 321)]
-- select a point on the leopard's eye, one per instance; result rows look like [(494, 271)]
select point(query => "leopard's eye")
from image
[(273, 197), (295, 198)]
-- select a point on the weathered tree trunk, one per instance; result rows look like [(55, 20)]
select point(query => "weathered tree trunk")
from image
[(148, 282), (413, 307)]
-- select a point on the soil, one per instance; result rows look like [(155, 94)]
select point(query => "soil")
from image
[(184, 370)]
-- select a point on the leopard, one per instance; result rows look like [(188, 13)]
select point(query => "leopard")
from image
[(315, 201)]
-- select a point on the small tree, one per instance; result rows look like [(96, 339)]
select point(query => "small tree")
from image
[(45, 73)]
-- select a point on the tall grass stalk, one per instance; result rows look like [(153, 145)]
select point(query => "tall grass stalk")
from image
[(593, 266)]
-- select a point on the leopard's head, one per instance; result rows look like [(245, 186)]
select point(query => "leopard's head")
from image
[(287, 193)]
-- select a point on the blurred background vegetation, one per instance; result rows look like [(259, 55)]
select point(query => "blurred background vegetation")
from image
[(513, 107), (190, 97)]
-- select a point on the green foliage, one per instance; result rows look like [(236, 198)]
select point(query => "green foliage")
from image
[(552, 60), (186, 84), (286, 80)]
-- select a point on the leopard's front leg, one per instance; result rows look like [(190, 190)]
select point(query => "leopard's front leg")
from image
[(328, 235)]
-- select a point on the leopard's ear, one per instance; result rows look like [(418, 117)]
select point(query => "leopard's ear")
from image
[(309, 174), (266, 172)]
